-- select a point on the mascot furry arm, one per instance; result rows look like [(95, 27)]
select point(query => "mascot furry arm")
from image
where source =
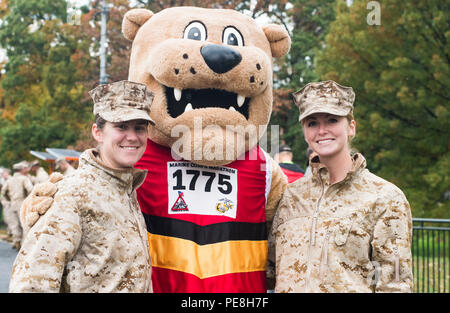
[(210, 188)]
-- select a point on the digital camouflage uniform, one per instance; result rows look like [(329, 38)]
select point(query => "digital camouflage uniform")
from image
[(92, 239), (13, 193), (351, 236), (124, 98), (41, 176), (4, 200), (324, 97), (69, 170)]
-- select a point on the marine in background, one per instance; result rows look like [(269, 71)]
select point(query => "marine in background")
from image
[(63, 166), (5, 173), (40, 175), (289, 168), (15, 190)]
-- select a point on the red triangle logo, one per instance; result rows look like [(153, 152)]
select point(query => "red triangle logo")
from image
[(180, 204)]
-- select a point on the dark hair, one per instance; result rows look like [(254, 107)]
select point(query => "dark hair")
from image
[(100, 121)]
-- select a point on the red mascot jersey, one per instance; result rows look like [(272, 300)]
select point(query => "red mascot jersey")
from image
[(206, 224)]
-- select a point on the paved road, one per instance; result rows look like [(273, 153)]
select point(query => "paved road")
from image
[(7, 257)]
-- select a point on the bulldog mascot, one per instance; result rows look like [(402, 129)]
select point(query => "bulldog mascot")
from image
[(210, 190)]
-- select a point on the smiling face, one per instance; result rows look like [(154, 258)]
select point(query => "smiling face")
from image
[(207, 67), (328, 135), (121, 144)]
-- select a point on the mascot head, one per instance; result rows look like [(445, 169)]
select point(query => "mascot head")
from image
[(211, 73)]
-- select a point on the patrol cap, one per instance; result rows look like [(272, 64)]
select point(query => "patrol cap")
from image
[(122, 101), (20, 166), (324, 97), (285, 148)]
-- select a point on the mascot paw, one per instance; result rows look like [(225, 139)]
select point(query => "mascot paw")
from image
[(46, 189), (38, 202), (30, 220), (41, 204), (26, 214), (55, 177)]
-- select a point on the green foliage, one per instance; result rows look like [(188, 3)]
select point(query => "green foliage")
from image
[(157, 6), (43, 93), (20, 35), (28, 134), (310, 21), (400, 73)]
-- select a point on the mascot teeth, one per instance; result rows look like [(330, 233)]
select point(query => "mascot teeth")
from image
[(206, 62), (177, 94), (188, 107), (240, 100), (184, 100)]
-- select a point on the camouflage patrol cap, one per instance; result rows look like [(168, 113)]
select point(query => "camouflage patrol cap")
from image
[(285, 148), (324, 97), (20, 166), (122, 101)]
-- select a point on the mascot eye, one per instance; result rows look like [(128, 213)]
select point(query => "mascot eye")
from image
[(195, 31), (232, 37)]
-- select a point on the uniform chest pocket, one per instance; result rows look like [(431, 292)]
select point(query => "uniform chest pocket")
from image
[(342, 231)]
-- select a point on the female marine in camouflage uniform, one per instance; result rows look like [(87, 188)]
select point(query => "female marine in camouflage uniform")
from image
[(93, 238), (342, 229)]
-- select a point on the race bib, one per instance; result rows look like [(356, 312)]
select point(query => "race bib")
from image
[(205, 190)]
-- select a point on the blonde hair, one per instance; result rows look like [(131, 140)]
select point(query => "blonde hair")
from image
[(350, 118)]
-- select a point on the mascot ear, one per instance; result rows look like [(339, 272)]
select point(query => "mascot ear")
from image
[(279, 39), (134, 19)]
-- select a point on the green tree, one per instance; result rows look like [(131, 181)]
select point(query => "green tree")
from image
[(51, 65), (308, 22), (37, 90), (157, 6), (400, 73)]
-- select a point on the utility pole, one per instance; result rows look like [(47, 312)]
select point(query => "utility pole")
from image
[(103, 75)]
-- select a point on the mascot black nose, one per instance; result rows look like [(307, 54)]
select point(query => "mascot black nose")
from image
[(219, 58)]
